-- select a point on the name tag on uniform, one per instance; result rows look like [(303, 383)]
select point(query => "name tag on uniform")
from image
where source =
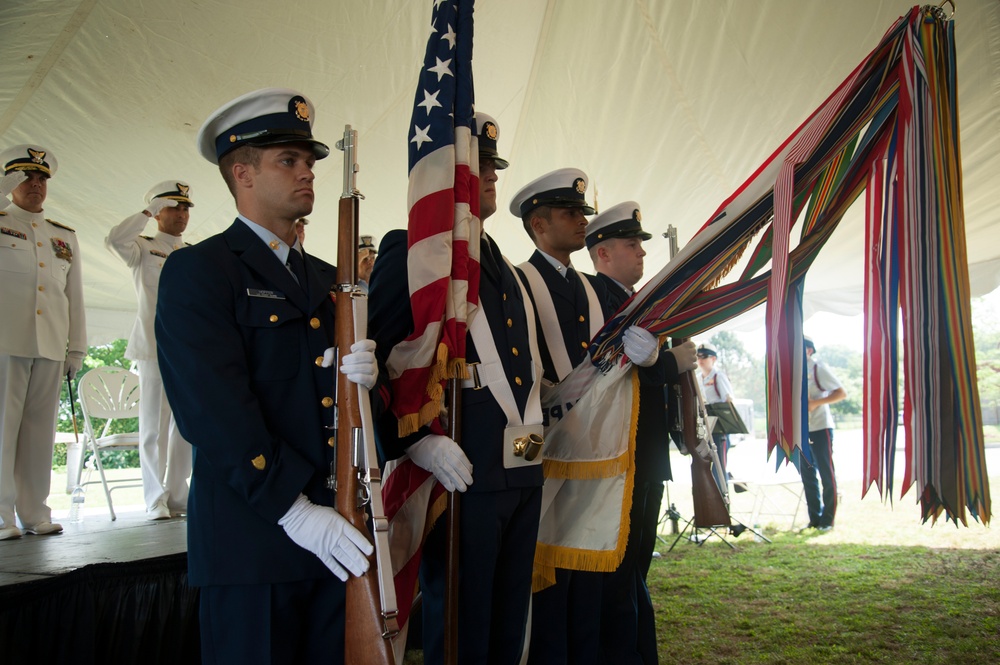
[(13, 232), (261, 293)]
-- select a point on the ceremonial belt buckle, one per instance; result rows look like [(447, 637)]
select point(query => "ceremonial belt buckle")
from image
[(522, 445), (528, 447), (476, 384)]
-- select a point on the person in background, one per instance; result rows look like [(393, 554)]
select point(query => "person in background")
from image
[(715, 388), (824, 389), (300, 229), (43, 336), (366, 260), (164, 455)]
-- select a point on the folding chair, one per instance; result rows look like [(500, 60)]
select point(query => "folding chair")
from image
[(111, 393)]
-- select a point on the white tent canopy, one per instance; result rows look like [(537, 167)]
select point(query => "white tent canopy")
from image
[(670, 103)]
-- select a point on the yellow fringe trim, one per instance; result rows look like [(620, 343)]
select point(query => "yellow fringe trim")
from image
[(435, 511), (439, 370), (548, 557), (609, 468), (408, 424), (442, 370)]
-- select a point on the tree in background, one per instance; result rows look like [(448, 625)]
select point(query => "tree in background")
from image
[(746, 372), (986, 332)]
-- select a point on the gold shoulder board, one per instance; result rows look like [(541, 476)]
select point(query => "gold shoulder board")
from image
[(62, 226)]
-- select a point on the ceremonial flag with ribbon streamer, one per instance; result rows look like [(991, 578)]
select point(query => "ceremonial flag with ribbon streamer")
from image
[(443, 272), (891, 129)]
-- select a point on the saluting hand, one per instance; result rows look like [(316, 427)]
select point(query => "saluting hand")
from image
[(8, 184), (156, 205), (325, 533)]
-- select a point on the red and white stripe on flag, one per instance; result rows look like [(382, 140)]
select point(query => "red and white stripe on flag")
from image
[(444, 226)]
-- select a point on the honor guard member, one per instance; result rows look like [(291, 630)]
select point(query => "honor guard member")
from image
[(565, 616), (553, 209), (43, 336), (628, 630), (243, 322), (715, 389), (164, 455), (502, 501), (300, 229)]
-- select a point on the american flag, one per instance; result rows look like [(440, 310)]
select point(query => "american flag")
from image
[(443, 272), (444, 226)]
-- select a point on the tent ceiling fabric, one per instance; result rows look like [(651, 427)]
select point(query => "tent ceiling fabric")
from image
[(670, 103)]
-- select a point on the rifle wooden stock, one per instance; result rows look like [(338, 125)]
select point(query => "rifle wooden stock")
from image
[(364, 641), (710, 507)]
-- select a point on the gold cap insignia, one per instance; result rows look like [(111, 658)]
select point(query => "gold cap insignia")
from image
[(259, 462), (37, 156), (183, 189), (300, 108), (636, 215), (580, 185), (491, 131)]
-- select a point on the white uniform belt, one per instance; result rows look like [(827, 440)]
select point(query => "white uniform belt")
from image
[(481, 375)]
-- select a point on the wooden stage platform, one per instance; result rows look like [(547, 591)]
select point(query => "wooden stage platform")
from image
[(100, 592), (96, 540)]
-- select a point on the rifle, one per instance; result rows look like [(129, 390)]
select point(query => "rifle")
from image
[(711, 502), (370, 612)]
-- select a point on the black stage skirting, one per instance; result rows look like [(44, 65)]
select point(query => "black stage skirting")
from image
[(135, 612)]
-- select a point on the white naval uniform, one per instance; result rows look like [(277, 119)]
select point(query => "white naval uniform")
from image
[(164, 455), (41, 297)]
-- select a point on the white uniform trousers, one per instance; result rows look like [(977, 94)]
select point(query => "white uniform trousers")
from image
[(164, 455), (29, 401)]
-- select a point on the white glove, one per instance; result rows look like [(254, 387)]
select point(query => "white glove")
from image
[(359, 365), (445, 459), (325, 533), (641, 346), (8, 184), (686, 356), (73, 364), (158, 204)]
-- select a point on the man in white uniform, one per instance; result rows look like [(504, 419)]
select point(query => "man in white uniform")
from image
[(43, 336), (715, 388), (165, 457)]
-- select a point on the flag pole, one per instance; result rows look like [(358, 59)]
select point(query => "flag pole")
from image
[(452, 525)]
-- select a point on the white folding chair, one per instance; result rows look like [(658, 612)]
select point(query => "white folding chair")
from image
[(111, 393)]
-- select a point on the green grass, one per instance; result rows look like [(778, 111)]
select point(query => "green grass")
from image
[(882, 587), (801, 601)]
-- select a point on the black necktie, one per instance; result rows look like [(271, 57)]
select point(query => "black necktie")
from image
[(487, 261), (298, 267), (574, 283)]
